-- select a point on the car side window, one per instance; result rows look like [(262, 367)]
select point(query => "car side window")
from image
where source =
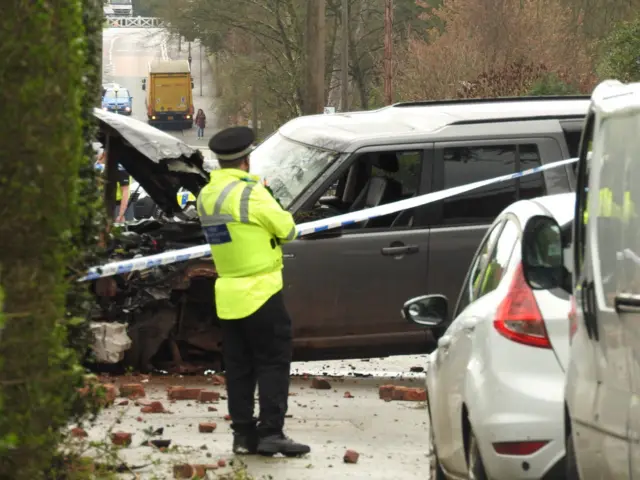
[(469, 290), (499, 260), (464, 165)]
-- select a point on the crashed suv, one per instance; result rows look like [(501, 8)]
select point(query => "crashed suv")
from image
[(343, 286)]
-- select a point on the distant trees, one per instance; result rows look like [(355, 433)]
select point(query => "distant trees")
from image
[(620, 58)]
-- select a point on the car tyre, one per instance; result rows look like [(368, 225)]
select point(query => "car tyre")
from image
[(571, 472), (474, 460), (435, 470)]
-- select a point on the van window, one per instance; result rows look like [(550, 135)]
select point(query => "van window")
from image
[(464, 165)]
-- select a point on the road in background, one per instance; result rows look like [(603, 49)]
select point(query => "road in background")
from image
[(126, 56)]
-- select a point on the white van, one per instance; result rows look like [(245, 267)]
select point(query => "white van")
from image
[(602, 394)]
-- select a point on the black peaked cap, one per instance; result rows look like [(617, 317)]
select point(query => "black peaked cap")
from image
[(232, 143)]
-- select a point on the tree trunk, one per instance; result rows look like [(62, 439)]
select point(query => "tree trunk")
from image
[(41, 155), (315, 61)]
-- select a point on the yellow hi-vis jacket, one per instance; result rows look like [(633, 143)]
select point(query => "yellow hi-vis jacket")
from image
[(244, 225), (608, 208)]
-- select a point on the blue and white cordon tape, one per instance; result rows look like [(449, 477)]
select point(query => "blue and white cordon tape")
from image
[(200, 251)]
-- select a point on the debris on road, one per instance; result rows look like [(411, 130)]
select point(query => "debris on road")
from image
[(182, 393), (207, 427), (417, 369), (132, 390), (348, 395), (189, 471), (351, 456), (227, 417), (320, 383), (123, 403), (154, 407), (122, 439), (78, 432), (208, 396), (394, 392)]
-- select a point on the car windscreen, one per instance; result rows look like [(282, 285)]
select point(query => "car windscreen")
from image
[(113, 94), (289, 167)]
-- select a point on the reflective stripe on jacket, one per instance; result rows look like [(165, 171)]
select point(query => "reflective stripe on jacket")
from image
[(608, 208), (244, 225)]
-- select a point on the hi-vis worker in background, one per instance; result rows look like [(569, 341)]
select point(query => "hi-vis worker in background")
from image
[(244, 225)]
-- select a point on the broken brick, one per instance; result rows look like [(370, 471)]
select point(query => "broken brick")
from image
[(189, 471), (212, 409), (351, 456), (211, 466), (132, 390), (386, 392), (123, 403), (222, 463), (207, 427), (142, 402), (227, 417), (153, 407), (320, 383), (121, 439), (181, 393), (139, 419), (415, 395), (208, 396), (399, 393), (348, 395), (218, 380), (78, 432)]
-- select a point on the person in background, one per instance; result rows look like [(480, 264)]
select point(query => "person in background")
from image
[(121, 213), (201, 122)]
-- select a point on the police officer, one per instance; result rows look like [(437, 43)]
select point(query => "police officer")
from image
[(245, 226)]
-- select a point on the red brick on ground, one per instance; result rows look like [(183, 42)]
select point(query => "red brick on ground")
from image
[(78, 432), (398, 393), (227, 417), (208, 396), (351, 456), (386, 392), (182, 393), (121, 438), (320, 383), (153, 407), (415, 395), (132, 390), (218, 380), (222, 463), (189, 471), (207, 427), (348, 395)]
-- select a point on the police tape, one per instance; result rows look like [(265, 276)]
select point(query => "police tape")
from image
[(201, 251)]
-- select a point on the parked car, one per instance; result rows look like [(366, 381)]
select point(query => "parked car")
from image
[(343, 286), (602, 411), (117, 100), (495, 383)]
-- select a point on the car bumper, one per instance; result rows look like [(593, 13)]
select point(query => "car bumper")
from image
[(517, 403)]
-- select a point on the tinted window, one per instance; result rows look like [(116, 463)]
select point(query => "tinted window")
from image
[(408, 173), (464, 165), (468, 293), (497, 264)]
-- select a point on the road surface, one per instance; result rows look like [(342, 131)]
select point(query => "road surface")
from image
[(126, 56), (390, 437)]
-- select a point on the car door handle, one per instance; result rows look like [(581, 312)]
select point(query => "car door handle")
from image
[(403, 250), (625, 303)]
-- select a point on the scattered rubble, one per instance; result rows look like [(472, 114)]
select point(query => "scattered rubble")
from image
[(182, 393), (78, 432), (218, 380), (351, 456), (222, 463), (154, 407), (122, 439), (227, 417), (207, 427), (348, 395), (123, 403), (212, 409), (132, 390), (417, 369), (189, 471), (208, 396), (394, 392), (320, 383)]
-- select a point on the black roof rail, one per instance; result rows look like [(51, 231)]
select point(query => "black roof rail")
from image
[(530, 118), (455, 101)]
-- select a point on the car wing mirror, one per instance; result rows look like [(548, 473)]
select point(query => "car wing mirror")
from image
[(426, 310), (543, 254)]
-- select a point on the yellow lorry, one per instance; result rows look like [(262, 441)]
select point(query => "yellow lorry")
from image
[(169, 99)]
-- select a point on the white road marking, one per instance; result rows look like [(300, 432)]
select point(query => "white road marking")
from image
[(111, 45)]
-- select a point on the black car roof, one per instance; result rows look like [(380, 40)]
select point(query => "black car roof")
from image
[(415, 121)]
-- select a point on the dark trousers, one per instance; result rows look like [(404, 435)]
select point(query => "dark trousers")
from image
[(257, 351)]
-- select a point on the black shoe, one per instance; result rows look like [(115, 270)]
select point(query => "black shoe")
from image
[(273, 444), (245, 443)]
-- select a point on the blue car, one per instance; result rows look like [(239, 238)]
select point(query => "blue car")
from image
[(117, 100)]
